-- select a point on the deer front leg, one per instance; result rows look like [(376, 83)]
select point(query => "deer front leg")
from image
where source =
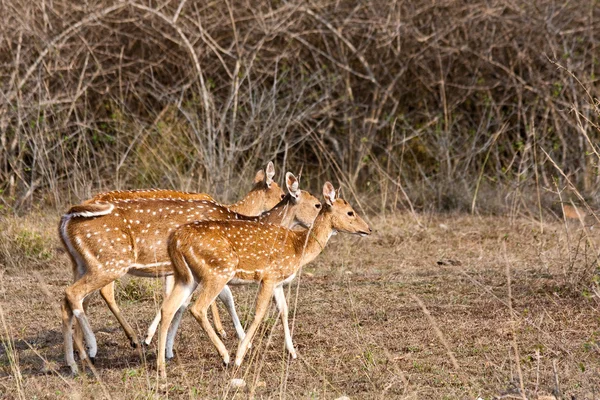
[(262, 303), (168, 288), (175, 324), (108, 294), (283, 313)]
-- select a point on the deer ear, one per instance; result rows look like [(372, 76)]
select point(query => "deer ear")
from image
[(329, 193), (260, 176), (292, 185), (338, 193), (270, 173)]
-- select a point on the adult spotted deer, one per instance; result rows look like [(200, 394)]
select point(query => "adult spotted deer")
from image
[(214, 254), (109, 240), (265, 194)]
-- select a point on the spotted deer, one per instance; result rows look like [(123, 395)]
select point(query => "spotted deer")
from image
[(216, 253), (263, 196), (129, 236)]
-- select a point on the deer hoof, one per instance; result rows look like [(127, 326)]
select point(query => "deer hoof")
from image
[(74, 370)]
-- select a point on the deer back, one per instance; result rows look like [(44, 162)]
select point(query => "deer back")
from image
[(116, 195)]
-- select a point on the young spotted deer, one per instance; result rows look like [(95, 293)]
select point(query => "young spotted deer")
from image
[(109, 240), (299, 209), (263, 196), (213, 254)]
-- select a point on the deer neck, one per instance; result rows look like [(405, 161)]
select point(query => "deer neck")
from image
[(314, 240), (251, 205), (282, 214)]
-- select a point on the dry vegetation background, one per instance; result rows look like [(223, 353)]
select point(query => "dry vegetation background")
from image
[(434, 99), (487, 107)]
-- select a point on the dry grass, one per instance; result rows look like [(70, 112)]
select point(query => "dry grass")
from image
[(359, 328)]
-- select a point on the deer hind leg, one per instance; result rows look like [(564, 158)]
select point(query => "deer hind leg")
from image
[(210, 290), (181, 291), (75, 295), (108, 294), (79, 331), (67, 323), (262, 303), (217, 320), (227, 298), (283, 312), (78, 271)]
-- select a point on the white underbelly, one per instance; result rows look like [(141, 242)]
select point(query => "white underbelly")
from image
[(288, 279)]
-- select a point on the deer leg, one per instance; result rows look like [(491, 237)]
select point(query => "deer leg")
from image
[(175, 324), (67, 323), (283, 313), (168, 283), (262, 303), (78, 334), (75, 295), (208, 293), (227, 298), (217, 320), (108, 294), (152, 328), (181, 291)]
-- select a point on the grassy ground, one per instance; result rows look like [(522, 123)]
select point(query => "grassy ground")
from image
[(372, 317)]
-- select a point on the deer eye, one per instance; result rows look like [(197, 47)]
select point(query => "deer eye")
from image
[(351, 213), (318, 205)]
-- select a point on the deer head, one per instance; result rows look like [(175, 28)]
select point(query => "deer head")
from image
[(306, 206), (342, 215), (265, 194)]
